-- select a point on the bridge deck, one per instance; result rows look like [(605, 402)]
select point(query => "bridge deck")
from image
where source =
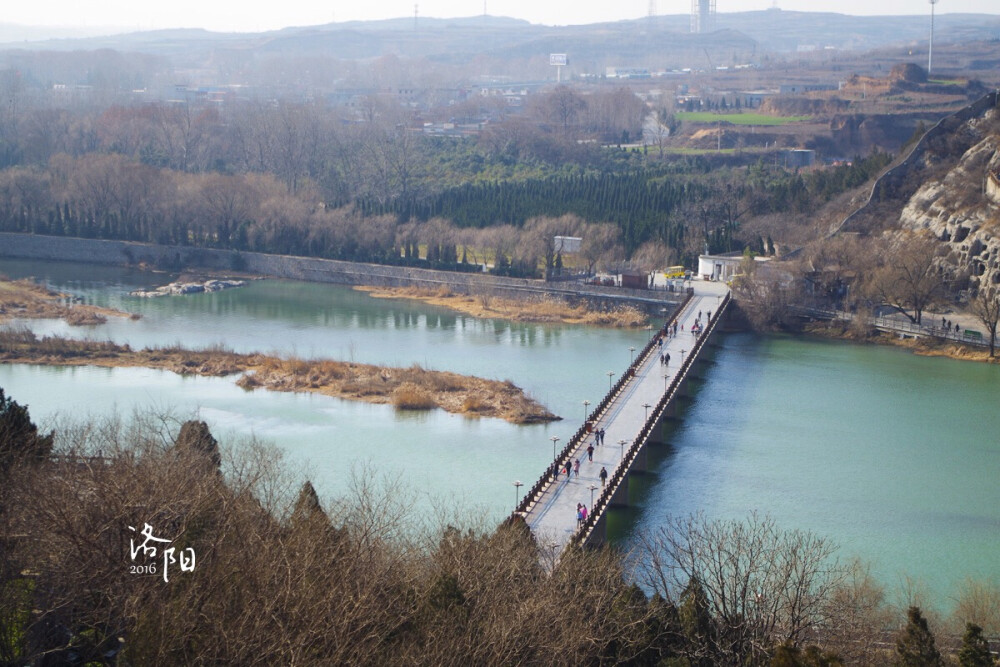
[(553, 517)]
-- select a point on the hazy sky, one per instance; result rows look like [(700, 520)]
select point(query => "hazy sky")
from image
[(255, 15)]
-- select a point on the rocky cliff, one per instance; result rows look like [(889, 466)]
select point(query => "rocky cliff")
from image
[(941, 149), (960, 205)]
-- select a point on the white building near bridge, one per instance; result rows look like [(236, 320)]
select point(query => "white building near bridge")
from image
[(722, 267)]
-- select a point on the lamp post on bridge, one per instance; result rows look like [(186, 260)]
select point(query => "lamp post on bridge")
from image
[(647, 406), (592, 487), (682, 356), (554, 440), (586, 407), (631, 354), (621, 454), (665, 376), (517, 493), (611, 374)]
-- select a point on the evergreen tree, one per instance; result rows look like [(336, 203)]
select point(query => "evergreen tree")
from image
[(975, 651), (787, 655), (19, 438), (195, 437), (696, 622), (915, 644)]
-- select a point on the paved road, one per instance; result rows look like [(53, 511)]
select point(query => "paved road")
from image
[(553, 518)]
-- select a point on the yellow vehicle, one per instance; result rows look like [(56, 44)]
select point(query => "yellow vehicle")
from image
[(673, 272)]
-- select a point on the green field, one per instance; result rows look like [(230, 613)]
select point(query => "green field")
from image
[(699, 151), (710, 117)]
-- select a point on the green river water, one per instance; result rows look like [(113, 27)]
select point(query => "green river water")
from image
[(894, 457)]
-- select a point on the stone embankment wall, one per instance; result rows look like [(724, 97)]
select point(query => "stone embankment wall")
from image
[(30, 246)]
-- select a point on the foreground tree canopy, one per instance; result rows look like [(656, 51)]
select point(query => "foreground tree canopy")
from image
[(252, 567)]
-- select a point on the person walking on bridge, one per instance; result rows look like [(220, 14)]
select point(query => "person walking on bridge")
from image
[(590, 452), (603, 475)]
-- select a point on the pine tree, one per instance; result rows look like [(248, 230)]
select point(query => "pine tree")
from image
[(194, 436), (975, 651), (696, 621), (19, 438), (915, 644)]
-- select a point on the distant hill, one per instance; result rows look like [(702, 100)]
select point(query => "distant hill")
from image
[(14, 33), (778, 30), (772, 30)]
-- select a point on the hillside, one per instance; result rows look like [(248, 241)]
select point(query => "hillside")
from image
[(940, 183), (935, 212)]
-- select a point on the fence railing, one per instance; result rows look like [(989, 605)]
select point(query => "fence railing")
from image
[(893, 325)]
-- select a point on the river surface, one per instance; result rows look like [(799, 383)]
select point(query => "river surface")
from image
[(892, 456)]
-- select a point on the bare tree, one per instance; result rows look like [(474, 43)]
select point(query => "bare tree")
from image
[(653, 255), (765, 294), (859, 618), (601, 242), (561, 107), (986, 306), (911, 278), (540, 234), (615, 116), (979, 603), (763, 586)]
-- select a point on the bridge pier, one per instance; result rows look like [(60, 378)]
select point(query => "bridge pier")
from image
[(620, 497), (599, 535), (640, 463)]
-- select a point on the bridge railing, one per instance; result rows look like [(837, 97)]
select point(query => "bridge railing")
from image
[(565, 456), (584, 531)]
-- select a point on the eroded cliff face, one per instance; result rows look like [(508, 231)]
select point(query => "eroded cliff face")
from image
[(962, 207)]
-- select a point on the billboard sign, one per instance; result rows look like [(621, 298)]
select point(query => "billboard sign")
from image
[(559, 59)]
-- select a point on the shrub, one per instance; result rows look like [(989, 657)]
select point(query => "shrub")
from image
[(409, 396), (474, 404)]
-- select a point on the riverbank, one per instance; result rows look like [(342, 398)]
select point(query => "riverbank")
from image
[(412, 388), (24, 299), (534, 308), (314, 269), (925, 346)]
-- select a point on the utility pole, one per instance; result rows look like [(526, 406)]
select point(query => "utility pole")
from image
[(930, 46)]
